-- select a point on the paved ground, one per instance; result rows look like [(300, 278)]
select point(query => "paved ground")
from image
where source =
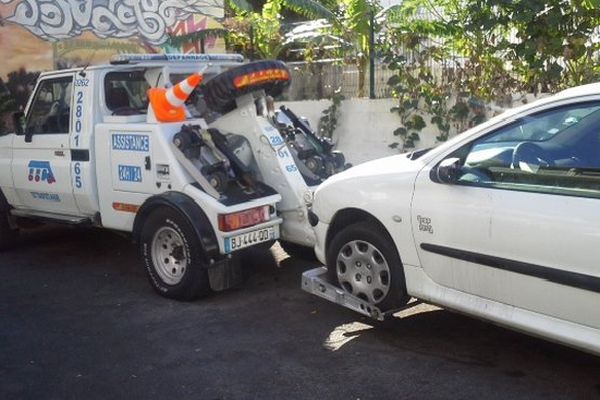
[(79, 321)]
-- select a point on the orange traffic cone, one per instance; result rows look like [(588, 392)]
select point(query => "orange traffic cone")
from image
[(167, 104)]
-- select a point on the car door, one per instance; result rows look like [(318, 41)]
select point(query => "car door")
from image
[(41, 163), (520, 222)]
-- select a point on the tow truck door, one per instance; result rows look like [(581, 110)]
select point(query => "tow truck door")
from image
[(41, 167)]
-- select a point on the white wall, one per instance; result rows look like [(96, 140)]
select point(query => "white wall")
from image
[(365, 127)]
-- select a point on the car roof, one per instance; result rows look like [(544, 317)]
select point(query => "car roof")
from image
[(582, 90)]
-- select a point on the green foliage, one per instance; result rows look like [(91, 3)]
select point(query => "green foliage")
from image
[(7, 105), (310, 9), (329, 119), (553, 45), (14, 93), (353, 25), (177, 41), (256, 33), (472, 52), (20, 84)]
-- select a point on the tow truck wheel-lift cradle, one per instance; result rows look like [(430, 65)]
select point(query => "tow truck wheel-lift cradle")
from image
[(315, 281)]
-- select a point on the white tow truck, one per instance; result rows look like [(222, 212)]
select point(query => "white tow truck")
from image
[(91, 149)]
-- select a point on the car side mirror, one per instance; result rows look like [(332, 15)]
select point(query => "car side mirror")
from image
[(448, 170), (18, 122)]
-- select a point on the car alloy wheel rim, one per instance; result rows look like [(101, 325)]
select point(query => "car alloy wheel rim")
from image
[(168, 255), (363, 271)]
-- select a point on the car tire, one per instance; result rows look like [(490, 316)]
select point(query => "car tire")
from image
[(172, 256), (8, 235), (363, 260), (298, 251), (220, 92)]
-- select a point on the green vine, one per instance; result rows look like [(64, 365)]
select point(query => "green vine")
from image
[(330, 116)]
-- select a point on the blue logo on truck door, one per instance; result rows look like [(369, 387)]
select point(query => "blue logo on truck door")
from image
[(130, 173), (40, 171), (130, 142)]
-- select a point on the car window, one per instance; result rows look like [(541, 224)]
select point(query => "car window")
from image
[(125, 92), (542, 126), (555, 151), (51, 108)]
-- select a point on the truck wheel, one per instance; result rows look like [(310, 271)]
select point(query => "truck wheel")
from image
[(8, 235), (298, 251), (364, 261), (220, 92), (172, 256)]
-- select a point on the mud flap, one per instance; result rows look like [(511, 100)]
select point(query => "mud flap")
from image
[(225, 274)]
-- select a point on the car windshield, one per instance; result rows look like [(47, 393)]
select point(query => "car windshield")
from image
[(543, 126)]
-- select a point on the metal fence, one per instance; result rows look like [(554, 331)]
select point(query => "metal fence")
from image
[(322, 79)]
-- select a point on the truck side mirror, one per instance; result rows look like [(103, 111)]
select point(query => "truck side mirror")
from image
[(18, 122), (448, 170), (28, 136)]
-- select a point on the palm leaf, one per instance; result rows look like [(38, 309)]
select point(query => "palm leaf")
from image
[(310, 9), (240, 6), (197, 36)]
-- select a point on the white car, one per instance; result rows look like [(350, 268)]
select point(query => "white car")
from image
[(502, 222)]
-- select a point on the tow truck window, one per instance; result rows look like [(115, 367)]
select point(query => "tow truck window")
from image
[(51, 108), (125, 92)]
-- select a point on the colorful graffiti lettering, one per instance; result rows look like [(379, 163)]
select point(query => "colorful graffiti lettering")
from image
[(54, 20), (41, 171)]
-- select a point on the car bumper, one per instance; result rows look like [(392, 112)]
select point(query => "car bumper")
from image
[(321, 233)]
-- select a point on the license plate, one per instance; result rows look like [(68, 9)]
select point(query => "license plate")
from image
[(248, 239)]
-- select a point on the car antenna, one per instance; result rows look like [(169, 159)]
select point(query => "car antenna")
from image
[(87, 64)]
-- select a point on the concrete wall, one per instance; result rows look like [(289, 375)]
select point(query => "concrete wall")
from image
[(365, 127)]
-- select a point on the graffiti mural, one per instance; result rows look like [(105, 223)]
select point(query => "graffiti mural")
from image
[(54, 20), (40, 35)]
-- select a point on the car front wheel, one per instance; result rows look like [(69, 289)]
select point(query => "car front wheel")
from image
[(363, 260)]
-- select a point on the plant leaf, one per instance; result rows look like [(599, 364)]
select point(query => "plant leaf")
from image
[(177, 41)]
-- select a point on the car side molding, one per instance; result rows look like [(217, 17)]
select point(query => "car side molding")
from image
[(567, 278)]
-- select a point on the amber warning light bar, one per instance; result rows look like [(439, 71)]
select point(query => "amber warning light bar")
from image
[(266, 75)]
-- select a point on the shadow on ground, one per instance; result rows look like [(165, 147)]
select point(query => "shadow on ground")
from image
[(79, 320)]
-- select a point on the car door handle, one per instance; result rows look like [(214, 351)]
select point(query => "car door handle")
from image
[(59, 153)]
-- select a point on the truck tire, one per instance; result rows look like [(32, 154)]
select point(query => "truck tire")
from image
[(298, 251), (8, 235), (220, 92), (172, 256), (363, 260)]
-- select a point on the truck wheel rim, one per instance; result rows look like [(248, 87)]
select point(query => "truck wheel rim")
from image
[(168, 255), (363, 271)]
